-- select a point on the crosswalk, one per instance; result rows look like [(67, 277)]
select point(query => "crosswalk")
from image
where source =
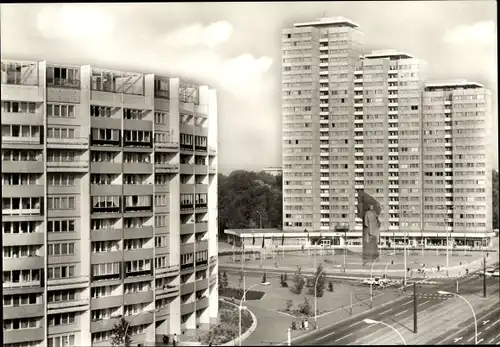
[(434, 296)]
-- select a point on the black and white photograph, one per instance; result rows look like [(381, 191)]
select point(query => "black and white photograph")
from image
[(249, 173)]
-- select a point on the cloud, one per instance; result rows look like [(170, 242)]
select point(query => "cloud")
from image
[(482, 32), (73, 22), (199, 35)]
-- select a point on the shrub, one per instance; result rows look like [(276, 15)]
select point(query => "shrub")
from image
[(225, 281), (298, 281), (305, 307), (236, 293), (264, 278), (285, 277), (289, 304), (330, 286)]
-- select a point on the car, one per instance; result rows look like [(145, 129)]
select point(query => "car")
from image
[(384, 281), (496, 273), (369, 281)]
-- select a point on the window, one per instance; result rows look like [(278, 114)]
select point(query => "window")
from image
[(63, 77), (98, 156), (138, 201), (138, 265), (162, 137), (23, 206), (61, 203), (105, 134), (15, 252), (101, 203), (200, 141), (20, 300), (160, 241), (60, 133), (22, 276), (24, 227), (18, 107), (136, 158), (129, 113), (104, 246), (59, 272), (60, 110), (137, 287), (134, 244), (201, 199), (161, 118), (161, 221), (18, 179), (102, 179), (187, 199), (67, 180), (21, 324), (161, 200), (137, 136), (64, 248), (61, 341), (61, 319), (161, 262), (186, 140), (21, 131), (105, 269), (162, 179), (100, 111), (98, 292), (61, 226), (60, 296), (135, 179), (60, 156)]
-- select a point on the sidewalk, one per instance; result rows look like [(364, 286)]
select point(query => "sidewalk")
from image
[(446, 315)]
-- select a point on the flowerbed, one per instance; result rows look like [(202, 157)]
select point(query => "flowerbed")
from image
[(228, 327), (236, 293)]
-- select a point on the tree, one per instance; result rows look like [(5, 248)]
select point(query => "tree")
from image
[(330, 286), (220, 282), (264, 278), (285, 277), (298, 281), (289, 304), (120, 335), (305, 307), (320, 277), (225, 281)]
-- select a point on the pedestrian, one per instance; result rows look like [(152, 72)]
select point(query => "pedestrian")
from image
[(439, 268), (174, 340), (306, 324)]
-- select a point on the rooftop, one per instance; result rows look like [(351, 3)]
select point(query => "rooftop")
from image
[(388, 53), (453, 83), (329, 21)]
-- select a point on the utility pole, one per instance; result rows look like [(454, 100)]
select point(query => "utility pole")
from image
[(484, 276), (415, 307)]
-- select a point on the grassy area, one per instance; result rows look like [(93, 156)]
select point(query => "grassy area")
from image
[(236, 293), (228, 327)]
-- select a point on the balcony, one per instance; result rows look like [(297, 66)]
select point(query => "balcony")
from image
[(22, 166), (106, 168), (26, 263), (71, 305), (22, 140), (202, 149), (22, 191), (67, 166), (63, 82), (26, 311), (23, 335), (68, 283), (103, 324), (106, 301), (172, 270), (137, 189), (187, 308), (171, 146), (187, 169), (23, 239), (106, 234), (142, 232), (201, 227), (187, 288), (143, 318), (187, 248), (138, 254), (73, 143), (187, 228), (202, 303), (213, 279), (114, 255), (138, 297), (138, 144), (166, 290), (166, 168), (137, 168), (187, 207)]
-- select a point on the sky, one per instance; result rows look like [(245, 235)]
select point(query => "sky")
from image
[(236, 49)]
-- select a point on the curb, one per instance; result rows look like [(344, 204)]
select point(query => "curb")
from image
[(247, 333)]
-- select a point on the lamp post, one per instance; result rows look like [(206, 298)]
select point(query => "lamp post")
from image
[(442, 292), (371, 321), (241, 303), (316, 298), (386, 265), (128, 324), (371, 283), (243, 264)]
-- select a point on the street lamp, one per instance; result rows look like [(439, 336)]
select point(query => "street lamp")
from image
[(371, 321), (385, 270), (260, 219), (316, 299), (241, 301), (442, 292), (371, 282), (128, 324)]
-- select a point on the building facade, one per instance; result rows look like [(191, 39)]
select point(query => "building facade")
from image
[(366, 121), (275, 171), (109, 205)]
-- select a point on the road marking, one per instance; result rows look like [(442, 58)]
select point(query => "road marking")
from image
[(355, 324), (479, 341), (479, 333), (456, 339), (486, 321), (325, 336), (409, 302), (400, 313), (472, 338), (493, 339), (425, 302), (343, 337), (386, 311)]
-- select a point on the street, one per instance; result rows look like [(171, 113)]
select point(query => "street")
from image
[(428, 301)]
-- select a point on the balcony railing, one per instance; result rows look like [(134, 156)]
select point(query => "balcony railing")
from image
[(201, 262), (68, 164), (187, 206), (67, 304), (201, 148), (24, 284), (138, 272), (22, 212), (172, 145), (83, 141), (61, 82), (139, 208), (187, 266), (26, 140), (69, 280)]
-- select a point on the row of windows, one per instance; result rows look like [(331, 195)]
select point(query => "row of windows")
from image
[(64, 248), (18, 179), (22, 131), (21, 155), (19, 107)]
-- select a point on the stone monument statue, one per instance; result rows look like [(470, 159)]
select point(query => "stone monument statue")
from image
[(368, 211)]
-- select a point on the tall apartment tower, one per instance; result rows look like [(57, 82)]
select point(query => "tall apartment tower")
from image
[(318, 125), (373, 122), (388, 151), (109, 205), (457, 161)]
